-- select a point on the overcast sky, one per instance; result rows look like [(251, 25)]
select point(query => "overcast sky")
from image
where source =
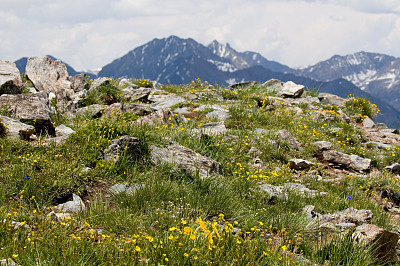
[(87, 34)]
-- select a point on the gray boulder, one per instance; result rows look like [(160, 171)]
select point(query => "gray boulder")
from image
[(220, 115), (213, 128), (164, 101), (50, 76), (291, 90), (354, 162), (243, 84), (32, 108), (73, 206), (16, 129), (136, 94), (368, 123), (394, 168), (79, 83), (125, 145), (163, 116), (299, 164), (63, 131), (273, 84), (10, 79), (331, 99), (349, 217), (283, 191), (185, 159), (97, 83), (383, 240), (286, 136)]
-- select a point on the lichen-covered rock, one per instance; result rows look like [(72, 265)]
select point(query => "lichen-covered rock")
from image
[(79, 83), (331, 99), (286, 136), (343, 219), (94, 110), (163, 116), (136, 94), (324, 153), (32, 108), (164, 101), (283, 191), (384, 241), (185, 159), (50, 76), (299, 164), (10, 79), (17, 130), (125, 145)]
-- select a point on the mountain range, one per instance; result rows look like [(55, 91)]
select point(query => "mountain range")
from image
[(179, 61)]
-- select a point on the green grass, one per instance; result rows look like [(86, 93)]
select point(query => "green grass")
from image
[(180, 219)]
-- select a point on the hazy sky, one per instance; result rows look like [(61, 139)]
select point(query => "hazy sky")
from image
[(88, 34)]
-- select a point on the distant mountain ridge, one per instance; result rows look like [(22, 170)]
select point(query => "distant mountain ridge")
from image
[(377, 74), (179, 61)]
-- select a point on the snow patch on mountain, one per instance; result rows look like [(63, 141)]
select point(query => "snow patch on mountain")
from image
[(223, 66)]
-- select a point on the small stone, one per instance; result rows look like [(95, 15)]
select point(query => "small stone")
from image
[(16, 129)]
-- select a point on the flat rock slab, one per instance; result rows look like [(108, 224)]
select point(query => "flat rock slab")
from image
[(10, 78), (16, 129), (385, 241), (164, 101), (32, 108), (283, 191), (333, 221), (324, 153), (186, 159), (125, 188)]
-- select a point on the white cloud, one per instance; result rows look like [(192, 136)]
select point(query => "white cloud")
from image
[(91, 33)]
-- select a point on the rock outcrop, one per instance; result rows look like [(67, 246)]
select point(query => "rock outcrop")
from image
[(186, 159), (10, 79)]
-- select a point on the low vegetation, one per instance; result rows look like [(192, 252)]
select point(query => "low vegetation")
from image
[(176, 219)]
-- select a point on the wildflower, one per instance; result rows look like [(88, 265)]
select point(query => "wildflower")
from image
[(26, 176), (349, 197), (15, 255), (284, 247), (137, 248), (186, 255)]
